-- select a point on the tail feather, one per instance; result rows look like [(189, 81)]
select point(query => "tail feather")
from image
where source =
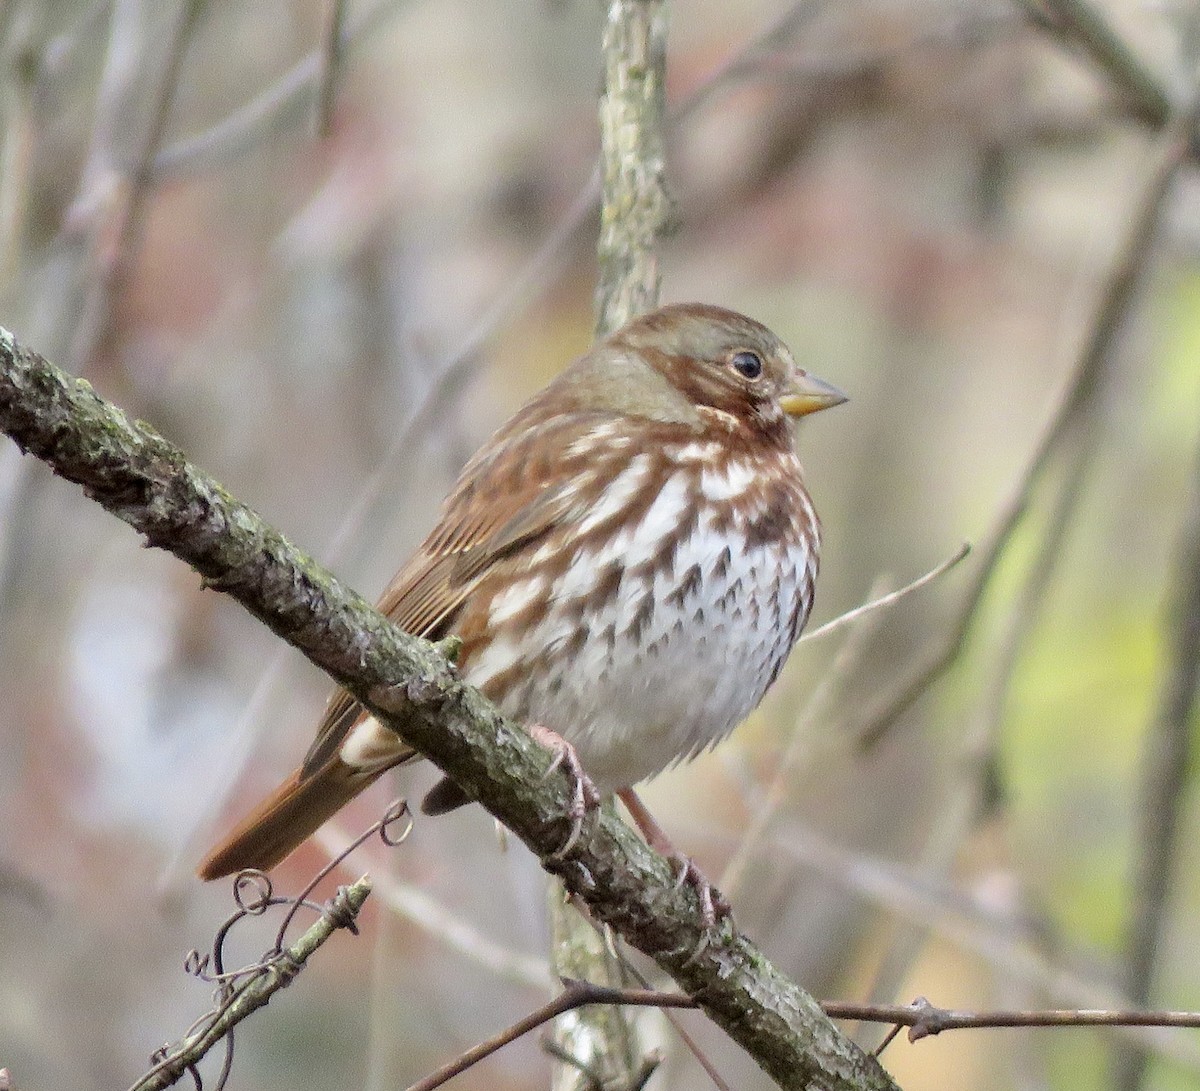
[(289, 816)]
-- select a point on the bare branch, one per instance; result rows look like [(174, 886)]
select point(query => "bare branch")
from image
[(114, 194), (923, 1018), (576, 994)]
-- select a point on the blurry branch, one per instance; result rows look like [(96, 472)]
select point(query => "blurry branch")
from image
[(256, 989), (1169, 764), (283, 103), (1080, 24), (18, 886), (61, 50), (408, 684), (101, 234), (1083, 388), (332, 53), (113, 194), (979, 751), (17, 136)]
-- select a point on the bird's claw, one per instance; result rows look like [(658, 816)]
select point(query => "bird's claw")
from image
[(585, 798), (714, 906)]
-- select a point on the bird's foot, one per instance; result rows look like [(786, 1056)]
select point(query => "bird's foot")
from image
[(714, 906), (584, 796)]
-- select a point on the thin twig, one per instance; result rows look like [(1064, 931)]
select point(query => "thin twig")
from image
[(1007, 939), (688, 1040), (853, 615), (799, 746), (576, 994), (926, 1020)]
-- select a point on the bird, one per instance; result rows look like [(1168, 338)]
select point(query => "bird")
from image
[(627, 562)]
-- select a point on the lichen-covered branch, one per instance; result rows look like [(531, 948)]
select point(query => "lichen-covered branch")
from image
[(634, 207), (410, 685)]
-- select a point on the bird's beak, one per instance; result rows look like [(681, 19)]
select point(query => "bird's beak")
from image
[(808, 394)]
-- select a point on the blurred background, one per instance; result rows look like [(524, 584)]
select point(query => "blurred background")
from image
[(327, 282)]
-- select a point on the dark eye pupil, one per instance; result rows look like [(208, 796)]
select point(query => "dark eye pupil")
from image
[(748, 364)]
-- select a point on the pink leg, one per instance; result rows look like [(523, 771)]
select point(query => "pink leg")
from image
[(584, 797), (713, 904)]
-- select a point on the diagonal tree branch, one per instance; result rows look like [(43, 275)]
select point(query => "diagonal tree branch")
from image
[(410, 685)]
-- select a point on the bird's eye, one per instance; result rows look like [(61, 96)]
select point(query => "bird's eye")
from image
[(747, 364)]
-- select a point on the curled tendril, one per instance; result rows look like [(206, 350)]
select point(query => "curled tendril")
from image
[(392, 815), (252, 891), (254, 895), (397, 811)]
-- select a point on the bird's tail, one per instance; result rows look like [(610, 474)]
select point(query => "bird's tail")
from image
[(289, 816)]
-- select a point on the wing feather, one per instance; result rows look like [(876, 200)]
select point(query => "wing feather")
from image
[(527, 495)]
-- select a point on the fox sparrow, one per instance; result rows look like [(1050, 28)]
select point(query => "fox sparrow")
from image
[(628, 562)]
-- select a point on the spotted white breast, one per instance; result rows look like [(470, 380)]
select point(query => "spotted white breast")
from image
[(648, 645)]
